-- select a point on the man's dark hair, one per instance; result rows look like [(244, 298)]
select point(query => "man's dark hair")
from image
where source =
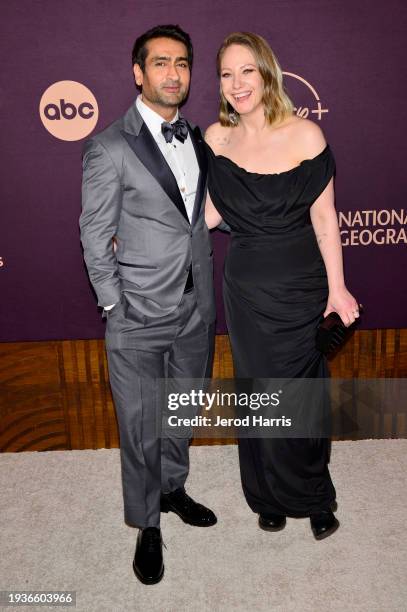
[(139, 53)]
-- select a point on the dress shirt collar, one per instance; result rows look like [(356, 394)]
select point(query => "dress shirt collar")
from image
[(152, 119)]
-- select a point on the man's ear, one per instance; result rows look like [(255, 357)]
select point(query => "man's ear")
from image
[(138, 74)]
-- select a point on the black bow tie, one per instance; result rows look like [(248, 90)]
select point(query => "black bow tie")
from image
[(179, 129)]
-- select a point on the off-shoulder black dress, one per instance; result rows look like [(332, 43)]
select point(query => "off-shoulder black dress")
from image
[(275, 292)]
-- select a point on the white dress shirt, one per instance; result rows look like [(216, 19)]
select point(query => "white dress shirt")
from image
[(180, 156)]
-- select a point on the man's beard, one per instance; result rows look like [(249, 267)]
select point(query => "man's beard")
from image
[(160, 98)]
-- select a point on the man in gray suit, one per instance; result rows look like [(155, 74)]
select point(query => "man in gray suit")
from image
[(144, 186)]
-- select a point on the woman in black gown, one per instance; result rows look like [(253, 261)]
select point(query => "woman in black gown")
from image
[(271, 180)]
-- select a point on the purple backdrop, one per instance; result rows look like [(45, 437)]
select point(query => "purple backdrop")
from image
[(351, 54)]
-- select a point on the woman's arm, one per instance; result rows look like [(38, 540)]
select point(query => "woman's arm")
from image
[(212, 217), (212, 136), (325, 224)]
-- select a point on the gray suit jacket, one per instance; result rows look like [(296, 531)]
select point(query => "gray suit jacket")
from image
[(129, 193)]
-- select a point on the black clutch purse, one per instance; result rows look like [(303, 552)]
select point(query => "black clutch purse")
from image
[(331, 333)]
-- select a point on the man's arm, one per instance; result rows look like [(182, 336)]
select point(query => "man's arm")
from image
[(224, 227), (101, 204)]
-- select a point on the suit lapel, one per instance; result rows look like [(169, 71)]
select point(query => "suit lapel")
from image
[(148, 152), (196, 138)]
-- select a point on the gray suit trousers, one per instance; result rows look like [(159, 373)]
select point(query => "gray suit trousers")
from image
[(178, 345)]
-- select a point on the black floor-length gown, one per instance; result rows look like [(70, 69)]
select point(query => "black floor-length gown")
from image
[(275, 292)]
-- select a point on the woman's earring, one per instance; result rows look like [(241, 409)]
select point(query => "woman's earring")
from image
[(233, 118)]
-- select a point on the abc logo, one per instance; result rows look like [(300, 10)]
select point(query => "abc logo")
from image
[(69, 110)]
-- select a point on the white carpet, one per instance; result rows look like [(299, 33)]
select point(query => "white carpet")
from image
[(62, 528)]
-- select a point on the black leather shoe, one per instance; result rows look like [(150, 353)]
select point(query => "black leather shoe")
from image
[(189, 510), (272, 522), (148, 559), (323, 524)]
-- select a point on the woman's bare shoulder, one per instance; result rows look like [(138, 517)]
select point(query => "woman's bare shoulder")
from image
[(308, 136), (217, 136)]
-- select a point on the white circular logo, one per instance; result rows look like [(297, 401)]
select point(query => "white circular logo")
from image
[(69, 110)]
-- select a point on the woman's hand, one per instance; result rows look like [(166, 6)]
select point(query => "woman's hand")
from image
[(343, 302)]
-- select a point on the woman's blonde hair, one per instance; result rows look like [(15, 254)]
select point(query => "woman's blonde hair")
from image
[(277, 104)]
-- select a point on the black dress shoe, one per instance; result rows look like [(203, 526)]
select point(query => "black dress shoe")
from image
[(189, 510), (148, 559), (323, 524), (272, 522)]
